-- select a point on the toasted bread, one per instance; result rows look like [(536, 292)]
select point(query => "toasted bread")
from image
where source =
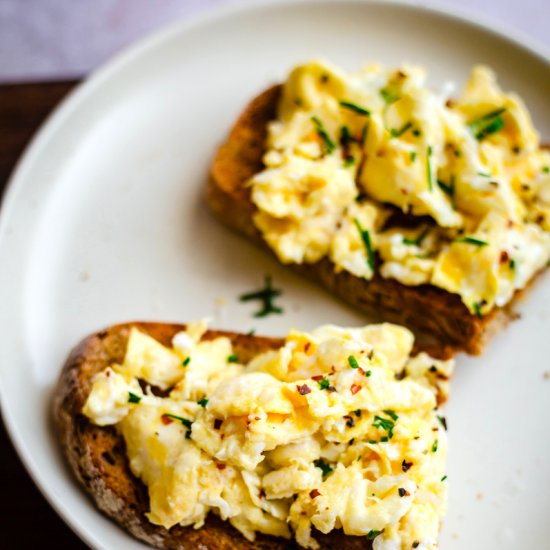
[(98, 459), (429, 311)]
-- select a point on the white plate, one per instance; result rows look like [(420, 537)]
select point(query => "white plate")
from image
[(105, 222)]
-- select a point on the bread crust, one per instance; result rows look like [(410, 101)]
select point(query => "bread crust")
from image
[(431, 312), (97, 455)]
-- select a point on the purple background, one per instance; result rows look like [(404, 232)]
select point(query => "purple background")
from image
[(46, 39)]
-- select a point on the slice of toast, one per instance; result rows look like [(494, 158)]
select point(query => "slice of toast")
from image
[(98, 459), (97, 455), (429, 311)]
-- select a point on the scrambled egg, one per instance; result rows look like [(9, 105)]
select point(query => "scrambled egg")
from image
[(350, 149), (337, 429)]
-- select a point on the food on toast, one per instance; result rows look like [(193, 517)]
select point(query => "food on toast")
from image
[(331, 437), (426, 211)]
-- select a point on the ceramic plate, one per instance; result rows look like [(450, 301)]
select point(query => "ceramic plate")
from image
[(105, 221)]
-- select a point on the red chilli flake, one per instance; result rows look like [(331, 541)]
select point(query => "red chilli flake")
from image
[(314, 493), (354, 389), (221, 465), (166, 419), (304, 389), (217, 423), (504, 257), (317, 377), (307, 346)]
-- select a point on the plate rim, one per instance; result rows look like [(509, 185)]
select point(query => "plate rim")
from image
[(95, 79)]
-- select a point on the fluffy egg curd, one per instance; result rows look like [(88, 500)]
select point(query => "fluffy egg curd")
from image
[(336, 429), (354, 155)]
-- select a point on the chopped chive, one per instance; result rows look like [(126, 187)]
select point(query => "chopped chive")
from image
[(397, 132), (203, 402), (322, 133), (349, 161), (353, 362), (434, 446), (233, 358), (442, 421), (448, 189), (429, 167), (325, 468), (266, 297), (186, 361), (472, 240), (418, 241), (488, 124), (484, 174), (372, 534), (477, 310), (385, 423), (355, 108), (324, 384), (512, 263), (412, 156), (443, 478), (365, 236), (391, 414), (345, 137), (133, 398), (368, 373), (184, 421), (546, 169), (388, 96)]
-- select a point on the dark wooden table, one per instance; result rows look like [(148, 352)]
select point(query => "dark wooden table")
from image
[(28, 521)]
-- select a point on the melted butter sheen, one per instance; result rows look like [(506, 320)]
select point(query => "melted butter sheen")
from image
[(298, 438), (473, 165)]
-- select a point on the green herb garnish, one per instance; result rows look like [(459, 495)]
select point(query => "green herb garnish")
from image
[(355, 108), (349, 161), (429, 167), (233, 358), (203, 402), (384, 423), (388, 96), (546, 169), (442, 421), (434, 446), (418, 241), (133, 398), (365, 236), (412, 155), (488, 124), (325, 468), (372, 534), (184, 421), (368, 373), (471, 240), (266, 297), (186, 361), (353, 362), (512, 263), (324, 384), (448, 189), (322, 133), (397, 132), (391, 414), (484, 174), (443, 478), (477, 310)]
